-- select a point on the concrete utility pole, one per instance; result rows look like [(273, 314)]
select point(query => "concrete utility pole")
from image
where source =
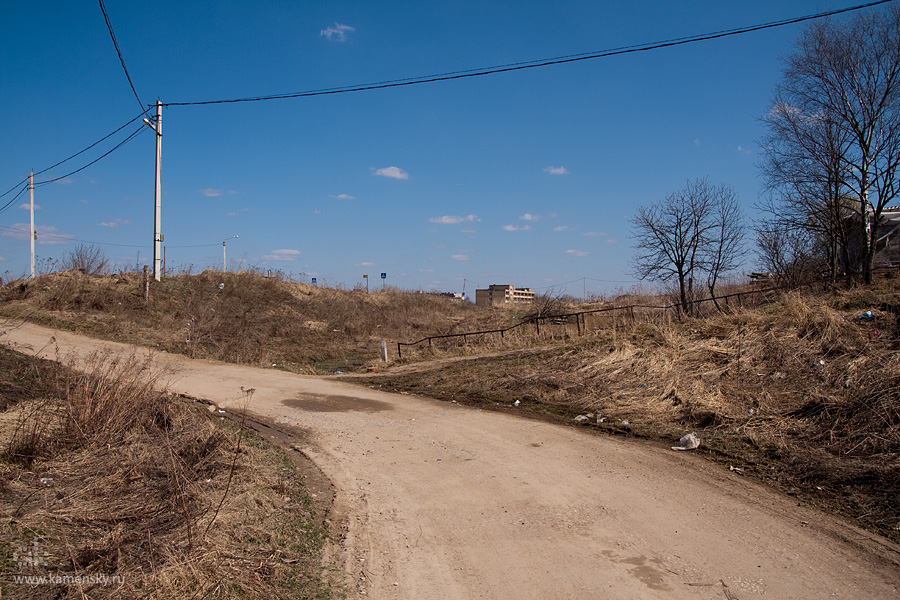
[(225, 264), (156, 126), (33, 235)]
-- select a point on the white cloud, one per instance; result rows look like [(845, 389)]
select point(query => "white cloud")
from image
[(453, 219), (696, 141), (576, 252), (562, 228), (27, 206), (556, 170), (342, 196), (392, 172), (46, 235), (366, 264), (460, 257), (115, 223), (284, 254), (215, 193), (743, 150), (337, 33), (530, 217), (594, 234), (516, 227)]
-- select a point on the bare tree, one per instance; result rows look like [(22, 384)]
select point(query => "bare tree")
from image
[(837, 110), (789, 253), (696, 229), (723, 247), (805, 176), (86, 258)]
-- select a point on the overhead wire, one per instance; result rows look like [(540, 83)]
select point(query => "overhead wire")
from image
[(16, 197), (119, 52), (96, 160), (534, 63)]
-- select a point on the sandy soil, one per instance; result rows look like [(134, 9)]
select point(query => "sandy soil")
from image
[(436, 500)]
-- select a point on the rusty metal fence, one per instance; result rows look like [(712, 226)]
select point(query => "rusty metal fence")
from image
[(598, 318)]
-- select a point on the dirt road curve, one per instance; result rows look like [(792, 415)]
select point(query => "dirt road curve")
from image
[(441, 501)]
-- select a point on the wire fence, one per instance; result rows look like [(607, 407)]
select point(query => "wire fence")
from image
[(555, 325)]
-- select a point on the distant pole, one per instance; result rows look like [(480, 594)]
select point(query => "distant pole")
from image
[(33, 235), (156, 126), (225, 264), (584, 289)]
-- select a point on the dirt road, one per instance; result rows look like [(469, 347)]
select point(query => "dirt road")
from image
[(441, 501)]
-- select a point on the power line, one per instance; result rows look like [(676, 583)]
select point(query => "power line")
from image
[(535, 63), (119, 52), (16, 197), (96, 160), (80, 152)]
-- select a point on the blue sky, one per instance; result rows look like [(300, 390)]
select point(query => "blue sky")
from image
[(525, 178)]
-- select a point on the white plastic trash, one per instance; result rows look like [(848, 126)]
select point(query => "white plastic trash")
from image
[(688, 442)]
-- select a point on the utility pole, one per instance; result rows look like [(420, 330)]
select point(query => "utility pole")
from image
[(156, 126), (33, 235), (225, 264)]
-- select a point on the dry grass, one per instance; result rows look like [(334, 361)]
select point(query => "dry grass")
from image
[(105, 477), (798, 392), (251, 319)]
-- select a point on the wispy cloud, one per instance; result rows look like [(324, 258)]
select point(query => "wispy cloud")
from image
[(366, 264), (342, 196), (516, 227), (594, 234), (530, 217), (743, 150), (556, 170), (337, 32), (115, 223), (284, 254), (27, 206), (576, 252), (391, 172), (460, 257), (562, 228), (215, 193), (46, 235), (453, 219)]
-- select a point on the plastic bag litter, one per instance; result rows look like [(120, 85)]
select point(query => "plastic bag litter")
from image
[(688, 442)]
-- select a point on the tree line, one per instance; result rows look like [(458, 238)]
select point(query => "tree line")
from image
[(830, 160)]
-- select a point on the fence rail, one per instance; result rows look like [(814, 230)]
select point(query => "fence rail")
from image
[(580, 317)]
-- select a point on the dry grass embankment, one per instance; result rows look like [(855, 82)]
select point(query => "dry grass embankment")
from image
[(250, 319), (799, 393), (102, 477)]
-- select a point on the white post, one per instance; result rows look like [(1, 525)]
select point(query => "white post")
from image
[(157, 220), (225, 264), (33, 235)]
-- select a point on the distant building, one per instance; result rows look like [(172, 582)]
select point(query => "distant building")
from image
[(502, 295)]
